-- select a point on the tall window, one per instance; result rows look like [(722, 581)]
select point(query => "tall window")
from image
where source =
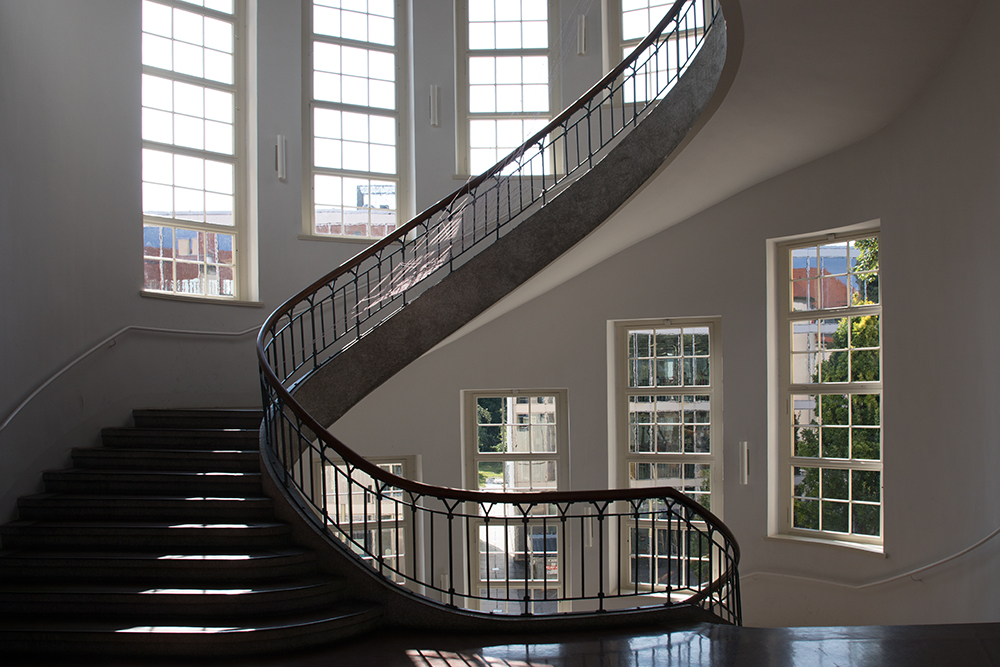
[(354, 97), (194, 147), (669, 426), (507, 93), (632, 22), (517, 442), (831, 441)]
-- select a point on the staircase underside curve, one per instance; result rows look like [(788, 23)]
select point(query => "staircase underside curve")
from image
[(527, 249)]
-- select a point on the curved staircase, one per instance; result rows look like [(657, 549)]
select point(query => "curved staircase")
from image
[(339, 339), (166, 541), (163, 542)]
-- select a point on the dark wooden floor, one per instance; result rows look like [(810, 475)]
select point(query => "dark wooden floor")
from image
[(699, 645)]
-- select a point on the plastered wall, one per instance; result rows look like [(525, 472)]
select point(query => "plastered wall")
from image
[(930, 177)]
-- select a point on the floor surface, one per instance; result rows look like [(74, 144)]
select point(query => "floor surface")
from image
[(702, 645)]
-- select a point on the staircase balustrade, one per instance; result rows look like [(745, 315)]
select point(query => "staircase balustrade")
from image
[(537, 553)]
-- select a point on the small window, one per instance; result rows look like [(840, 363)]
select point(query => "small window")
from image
[(830, 323), (516, 442)]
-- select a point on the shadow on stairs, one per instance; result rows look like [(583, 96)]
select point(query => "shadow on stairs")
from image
[(162, 542)]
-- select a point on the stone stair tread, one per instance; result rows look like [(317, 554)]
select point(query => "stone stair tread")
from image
[(140, 431), (125, 588), (342, 610), (117, 450), (82, 472), (158, 555), (93, 497), (150, 525)]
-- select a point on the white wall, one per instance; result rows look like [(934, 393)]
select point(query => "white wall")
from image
[(931, 177), (70, 212)]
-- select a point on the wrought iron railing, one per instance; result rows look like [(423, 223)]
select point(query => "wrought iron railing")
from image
[(526, 553)]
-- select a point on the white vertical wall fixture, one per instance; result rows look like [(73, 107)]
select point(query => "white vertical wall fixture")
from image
[(744, 462), (281, 158), (435, 105)]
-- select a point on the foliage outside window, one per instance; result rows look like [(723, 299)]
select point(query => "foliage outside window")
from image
[(832, 449), (353, 128), (668, 406), (517, 444), (193, 154)]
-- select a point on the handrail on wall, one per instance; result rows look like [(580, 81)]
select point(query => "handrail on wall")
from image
[(524, 535)]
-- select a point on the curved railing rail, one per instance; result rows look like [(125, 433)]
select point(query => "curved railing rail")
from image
[(527, 553)]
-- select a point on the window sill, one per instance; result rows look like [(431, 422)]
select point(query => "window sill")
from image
[(201, 299), (877, 549)]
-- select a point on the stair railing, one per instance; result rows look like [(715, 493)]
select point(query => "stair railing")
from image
[(527, 553)]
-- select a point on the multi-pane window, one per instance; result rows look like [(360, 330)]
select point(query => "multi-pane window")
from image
[(657, 66), (193, 166), (507, 77), (354, 128), (375, 514), (832, 437), (668, 406), (518, 444)]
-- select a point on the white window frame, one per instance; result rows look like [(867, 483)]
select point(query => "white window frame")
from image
[(401, 528), (787, 462), (543, 518), (616, 47), (465, 116), (244, 212), (622, 392), (399, 114)]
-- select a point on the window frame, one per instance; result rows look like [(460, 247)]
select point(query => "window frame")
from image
[(787, 461), (463, 156), (623, 458), (616, 47), (402, 528), (399, 114), (243, 229), (472, 458)]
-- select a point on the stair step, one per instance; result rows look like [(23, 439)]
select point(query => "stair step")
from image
[(242, 418), (179, 438), (64, 506), (221, 537), (237, 460), (237, 635), (161, 566), (158, 601), (157, 483)]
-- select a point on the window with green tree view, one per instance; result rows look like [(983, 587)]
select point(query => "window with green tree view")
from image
[(832, 438)]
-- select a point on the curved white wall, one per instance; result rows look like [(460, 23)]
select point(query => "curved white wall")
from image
[(933, 178)]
